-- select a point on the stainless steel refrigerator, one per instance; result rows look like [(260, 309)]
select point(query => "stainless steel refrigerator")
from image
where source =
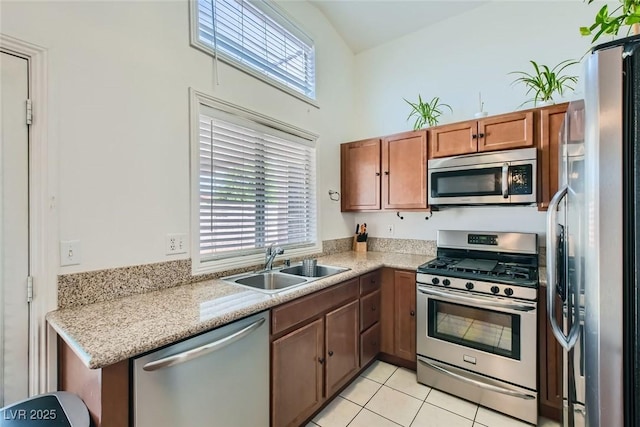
[(593, 243)]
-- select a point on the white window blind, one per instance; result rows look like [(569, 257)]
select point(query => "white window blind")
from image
[(255, 34), (256, 187)]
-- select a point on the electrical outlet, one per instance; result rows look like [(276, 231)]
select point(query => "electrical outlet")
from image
[(69, 252), (390, 230), (176, 244)]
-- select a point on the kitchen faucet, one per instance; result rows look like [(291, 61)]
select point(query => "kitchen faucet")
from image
[(270, 254)]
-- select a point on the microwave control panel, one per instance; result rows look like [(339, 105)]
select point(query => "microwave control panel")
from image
[(521, 179)]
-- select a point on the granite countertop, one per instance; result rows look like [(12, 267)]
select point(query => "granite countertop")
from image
[(108, 332)]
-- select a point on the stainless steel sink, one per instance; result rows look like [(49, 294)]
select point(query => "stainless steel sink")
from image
[(270, 281), (321, 270), (277, 280)]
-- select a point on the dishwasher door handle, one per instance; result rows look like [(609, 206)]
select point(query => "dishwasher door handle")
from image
[(185, 356)]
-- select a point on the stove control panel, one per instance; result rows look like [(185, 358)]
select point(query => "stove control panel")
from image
[(490, 288)]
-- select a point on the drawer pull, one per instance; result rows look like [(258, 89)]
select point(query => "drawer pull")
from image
[(330, 353)]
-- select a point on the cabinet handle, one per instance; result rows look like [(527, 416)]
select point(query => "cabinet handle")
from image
[(474, 136), (330, 353), (373, 308), (321, 360), (412, 313), (386, 172), (377, 173), (481, 135)]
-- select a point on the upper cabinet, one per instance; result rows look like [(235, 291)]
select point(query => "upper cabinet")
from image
[(551, 119), (360, 175), (388, 173), (404, 164), (502, 132)]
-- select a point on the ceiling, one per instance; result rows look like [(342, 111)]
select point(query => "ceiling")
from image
[(364, 24)]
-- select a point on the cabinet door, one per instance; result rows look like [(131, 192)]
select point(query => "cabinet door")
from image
[(507, 131), (342, 336), (369, 310), (296, 384), (454, 139), (551, 119), (404, 169), (549, 361), (360, 175), (369, 344), (405, 315)]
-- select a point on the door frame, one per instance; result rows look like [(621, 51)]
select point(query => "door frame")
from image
[(43, 219)]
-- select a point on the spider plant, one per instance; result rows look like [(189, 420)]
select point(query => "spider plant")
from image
[(426, 112), (628, 14), (545, 82)]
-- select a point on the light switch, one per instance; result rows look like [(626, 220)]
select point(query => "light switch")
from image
[(69, 252)]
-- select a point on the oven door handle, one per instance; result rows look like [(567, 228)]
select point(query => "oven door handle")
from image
[(483, 301), (477, 383)]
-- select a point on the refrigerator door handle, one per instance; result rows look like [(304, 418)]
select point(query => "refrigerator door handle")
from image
[(566, 341)]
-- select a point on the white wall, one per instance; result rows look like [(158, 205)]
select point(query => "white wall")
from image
[(119, 74), (454, 60)]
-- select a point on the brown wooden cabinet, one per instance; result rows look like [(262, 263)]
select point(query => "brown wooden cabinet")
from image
[(314, 351), (388, 173), (369, 316), (398, 317), (360, 175), (502, 132), (404, 171), (549, 362)]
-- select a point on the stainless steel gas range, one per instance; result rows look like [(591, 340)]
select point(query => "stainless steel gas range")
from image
[(476, 320)]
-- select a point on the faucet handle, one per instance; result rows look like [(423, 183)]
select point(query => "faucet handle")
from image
[(278, 250)]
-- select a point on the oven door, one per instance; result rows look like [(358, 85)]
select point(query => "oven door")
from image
[(489, 335), (496, 183)]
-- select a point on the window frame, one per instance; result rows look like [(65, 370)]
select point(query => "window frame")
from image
[(222, 56), (200, 266)]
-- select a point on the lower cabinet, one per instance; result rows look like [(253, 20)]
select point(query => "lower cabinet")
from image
[(314, 351), (549, 361), (398, 317)]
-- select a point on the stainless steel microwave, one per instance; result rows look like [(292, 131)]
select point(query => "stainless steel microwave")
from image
[(499, 177)]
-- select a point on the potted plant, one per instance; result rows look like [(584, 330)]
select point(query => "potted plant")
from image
[(544, 82), (426, 112), (627, 14)]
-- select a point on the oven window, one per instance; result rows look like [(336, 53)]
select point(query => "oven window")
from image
[(491, 331), (467, 182)]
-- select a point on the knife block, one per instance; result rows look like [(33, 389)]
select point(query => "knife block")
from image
[(359, 246)]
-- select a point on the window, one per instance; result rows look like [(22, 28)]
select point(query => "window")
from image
[(254, 185), (259, 39)]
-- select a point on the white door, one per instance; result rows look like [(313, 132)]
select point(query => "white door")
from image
[(14, 229)]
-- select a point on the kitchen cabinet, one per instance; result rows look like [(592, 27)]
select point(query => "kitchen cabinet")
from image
[(550, 127), (398, 317), (369, 316), (385, 173), (549, 361), (404, 174), (314, 351), (501, 132), (360, 175), (104, 391)]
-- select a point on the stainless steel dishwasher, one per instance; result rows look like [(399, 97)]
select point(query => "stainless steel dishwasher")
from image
[(219, 378)]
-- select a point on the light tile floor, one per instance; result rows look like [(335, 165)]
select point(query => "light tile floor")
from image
[(388, 396)]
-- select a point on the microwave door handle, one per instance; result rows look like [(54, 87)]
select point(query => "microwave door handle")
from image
[(567, 342), (505, 180)]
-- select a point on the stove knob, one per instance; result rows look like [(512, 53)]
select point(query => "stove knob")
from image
[(435, 281), (495, 289), (508, 291), (468, 285), (446, 282)]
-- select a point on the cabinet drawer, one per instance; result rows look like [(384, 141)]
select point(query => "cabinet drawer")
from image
[(296, 312), (369, 310), (370, 282), (369, 344)]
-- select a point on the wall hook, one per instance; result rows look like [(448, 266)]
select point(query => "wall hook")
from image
[(398, 215), (334, 193)]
